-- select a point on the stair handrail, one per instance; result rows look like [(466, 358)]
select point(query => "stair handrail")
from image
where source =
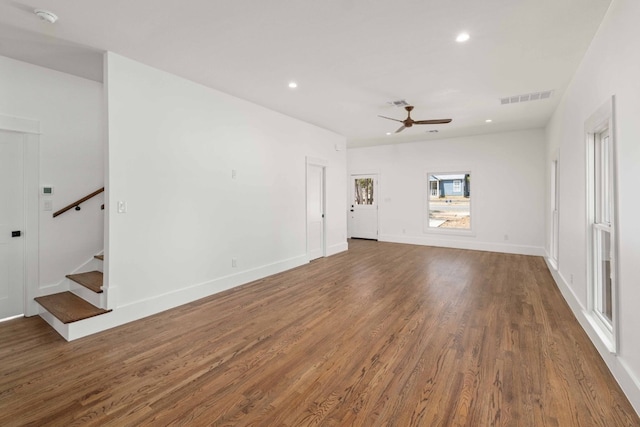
[(77, 203)]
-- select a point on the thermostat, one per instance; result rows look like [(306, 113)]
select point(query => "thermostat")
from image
[(47, 191)]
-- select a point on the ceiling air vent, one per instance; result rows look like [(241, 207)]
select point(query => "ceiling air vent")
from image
[(534, 96), (399, 103)]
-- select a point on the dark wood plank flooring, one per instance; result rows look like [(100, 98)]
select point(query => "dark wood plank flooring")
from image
[(383, 335)]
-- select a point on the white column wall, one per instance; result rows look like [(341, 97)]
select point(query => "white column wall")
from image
[(611, 66), (507, 189), (69, 110), (173, 147)]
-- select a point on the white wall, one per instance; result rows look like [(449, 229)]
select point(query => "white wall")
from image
[(611, 66), (507, 185), (69, 110), (172, 147)]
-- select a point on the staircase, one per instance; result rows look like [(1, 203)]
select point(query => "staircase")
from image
[(67, 310)]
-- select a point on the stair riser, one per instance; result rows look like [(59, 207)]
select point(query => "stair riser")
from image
[(54, 322), (87, 294)]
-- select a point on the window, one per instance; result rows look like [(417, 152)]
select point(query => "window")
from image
[(449, 201), (363, 191), (601, 230)]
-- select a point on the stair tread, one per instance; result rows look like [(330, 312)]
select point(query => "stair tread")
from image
[(68, 307), (100, 257), (91, 280)]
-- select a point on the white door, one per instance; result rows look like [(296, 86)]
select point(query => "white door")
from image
[(315, 211), (363, 209), (11, 224)]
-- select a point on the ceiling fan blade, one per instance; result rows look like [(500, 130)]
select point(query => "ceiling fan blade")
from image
[(431, 122), (395, 120), (401, 128)]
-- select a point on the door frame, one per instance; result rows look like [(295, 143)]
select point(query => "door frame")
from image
[(30, 129), (311, 161), (376, 173)]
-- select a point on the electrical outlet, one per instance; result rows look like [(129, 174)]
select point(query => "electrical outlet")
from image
[(234, 262), (506, 237), (571, 278)]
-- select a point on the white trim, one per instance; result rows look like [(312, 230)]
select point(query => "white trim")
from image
[(432, 240), (426, 228), (19, 124), (337, 248), (31, 130), (618, 367), (602, 119), (147, 307)]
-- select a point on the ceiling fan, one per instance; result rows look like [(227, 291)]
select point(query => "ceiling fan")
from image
[(408, 122)]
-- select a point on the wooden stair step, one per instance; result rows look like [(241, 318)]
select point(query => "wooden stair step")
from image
[(100, 257), (68, 307), (90, 280)]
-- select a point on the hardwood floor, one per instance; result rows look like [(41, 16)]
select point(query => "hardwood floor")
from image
[(383, 335)]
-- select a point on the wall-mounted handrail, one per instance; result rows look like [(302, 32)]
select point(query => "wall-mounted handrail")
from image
[(76, 204)]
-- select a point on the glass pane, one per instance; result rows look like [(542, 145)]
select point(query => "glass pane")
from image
[(450, 201), (604, 275), (363, 191)]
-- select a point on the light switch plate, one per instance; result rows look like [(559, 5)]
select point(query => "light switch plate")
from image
[(122, 206)]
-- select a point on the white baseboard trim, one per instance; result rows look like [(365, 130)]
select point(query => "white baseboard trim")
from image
[(463, 244), (629, 383), (137, 310), (337, 248)]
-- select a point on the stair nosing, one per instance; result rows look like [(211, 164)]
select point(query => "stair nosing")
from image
[(94, 311), (74, 277)]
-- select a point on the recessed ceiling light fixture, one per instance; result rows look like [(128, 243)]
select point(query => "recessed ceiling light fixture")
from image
[(46, 15), (293, 85), (488, 121), (388, 133), (462, 37)]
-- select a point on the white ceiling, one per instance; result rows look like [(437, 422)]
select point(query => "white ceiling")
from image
[(349, 57)]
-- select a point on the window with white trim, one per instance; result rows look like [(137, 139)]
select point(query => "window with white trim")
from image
[(601, 198), (449, 201)]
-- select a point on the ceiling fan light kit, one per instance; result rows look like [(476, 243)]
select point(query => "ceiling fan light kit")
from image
[(408, 122)]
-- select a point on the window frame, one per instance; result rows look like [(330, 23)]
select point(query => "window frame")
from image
[(427, 209), (599, 126)]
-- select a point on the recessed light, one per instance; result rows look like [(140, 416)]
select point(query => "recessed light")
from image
[(388, 133), (46, 15), (488, 121), (462, 37), (293, 85)]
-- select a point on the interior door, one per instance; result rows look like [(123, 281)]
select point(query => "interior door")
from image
[(363, 209), (11, 224), (315, 211)]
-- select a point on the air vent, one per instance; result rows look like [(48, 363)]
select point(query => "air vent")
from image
[(399, 103), (535, 96)]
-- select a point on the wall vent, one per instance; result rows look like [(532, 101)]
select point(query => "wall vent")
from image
[(399, 103), (534, 96)]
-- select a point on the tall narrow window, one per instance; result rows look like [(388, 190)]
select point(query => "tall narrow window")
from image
[(603, 253), (601, 231)]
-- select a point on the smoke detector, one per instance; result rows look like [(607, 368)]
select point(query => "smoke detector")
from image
[(399, 103), (46, 15)]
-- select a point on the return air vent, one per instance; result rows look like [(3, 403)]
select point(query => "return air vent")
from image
[(534, 96), (399, 103)]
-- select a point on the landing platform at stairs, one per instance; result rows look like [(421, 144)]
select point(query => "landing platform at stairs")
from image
[(68, 307)]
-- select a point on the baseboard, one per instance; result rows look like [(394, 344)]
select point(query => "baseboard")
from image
[(123, 314), (337, 248), (628, 382), (463, 244)]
